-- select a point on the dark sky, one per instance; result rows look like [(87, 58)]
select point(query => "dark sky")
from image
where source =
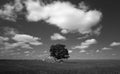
[(106, 45)]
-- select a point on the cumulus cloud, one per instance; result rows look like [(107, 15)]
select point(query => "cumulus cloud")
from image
[(15, 40), (64, 31), (9, 10), (3, 38), (10, 32), (114, 54), (70, 51), (86, 44), (83, 37), (64, 15), (97, 51), (57, 36), (23, 41), (82, 51), (97, 31), (27, 52), (8, 45), (27, 39), (115, 44), (106, 48)]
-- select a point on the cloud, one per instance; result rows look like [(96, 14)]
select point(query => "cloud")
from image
[(3, 38), (70, 51), (97, 51), (106, 48), (45, 51), (27, 52), (88, 53), (115, 44), (27, 39), (83, 37), (15, 45), (97, 31), (86, 44), (82, 51), (64, 31), (13, 39), (10, 32), (16, 53), (57, 36), (114, 54), (9, 10), (64, 15)]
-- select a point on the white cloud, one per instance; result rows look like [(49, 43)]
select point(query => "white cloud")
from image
[(70, 51), (64, 31), (115, 44), (82, 51), (83, 37), (9, 10), (97, 31), (57, 36), (8, 31), (114, 54), (86, 44), (16, 53), (45, 51), (15, 45), (2, 41), (3, 38), (88, 53), (97, 51), (13, 40), (27, 52), (22, 41), (83, 6), (106, 48), (64, 15), (27, 39)]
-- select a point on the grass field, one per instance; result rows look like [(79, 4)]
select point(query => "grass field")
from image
[(68, 67)]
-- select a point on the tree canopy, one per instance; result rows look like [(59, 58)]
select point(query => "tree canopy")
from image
[(59, 52)]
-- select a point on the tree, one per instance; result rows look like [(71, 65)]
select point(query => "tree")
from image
[(59, 52)]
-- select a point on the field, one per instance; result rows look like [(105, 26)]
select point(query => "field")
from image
[(68, 67)]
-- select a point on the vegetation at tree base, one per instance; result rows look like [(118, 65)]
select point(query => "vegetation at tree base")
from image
[(59, 52)]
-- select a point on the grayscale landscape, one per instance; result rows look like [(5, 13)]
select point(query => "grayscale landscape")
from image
[(59, 37)]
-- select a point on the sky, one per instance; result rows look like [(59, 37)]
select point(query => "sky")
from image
[(88, 28)]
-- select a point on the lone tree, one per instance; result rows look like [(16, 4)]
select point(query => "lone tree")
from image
[(59, 52)]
